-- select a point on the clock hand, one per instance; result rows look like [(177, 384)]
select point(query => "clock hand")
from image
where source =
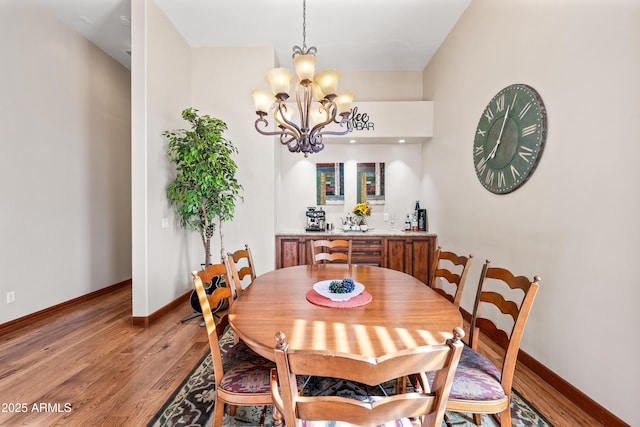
[(493, 152)]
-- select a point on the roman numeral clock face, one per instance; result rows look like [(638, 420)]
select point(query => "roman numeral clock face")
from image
[(509, 139)]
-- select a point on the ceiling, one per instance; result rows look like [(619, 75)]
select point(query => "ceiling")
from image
[(351, 35)]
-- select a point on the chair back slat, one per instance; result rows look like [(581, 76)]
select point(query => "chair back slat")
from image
[(451, 268), (516, 305), (428, 402), (323, 251), (241, 266)]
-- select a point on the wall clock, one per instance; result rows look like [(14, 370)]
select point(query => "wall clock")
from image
[(510, 138)]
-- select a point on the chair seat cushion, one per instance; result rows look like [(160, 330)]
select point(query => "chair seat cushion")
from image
[(476, 378), (403, 422), (245, 371)]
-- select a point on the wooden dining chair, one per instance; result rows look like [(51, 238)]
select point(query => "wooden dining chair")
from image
[(243, 260), (479, 387), (212, 278), (232, 272), (434, 266), (427, 405), (450, 275), (242, 378), (330, 251)]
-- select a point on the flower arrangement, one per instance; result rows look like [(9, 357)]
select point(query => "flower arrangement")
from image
[(362, 209)]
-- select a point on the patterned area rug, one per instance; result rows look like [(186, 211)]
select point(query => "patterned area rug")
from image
[(192, 403)]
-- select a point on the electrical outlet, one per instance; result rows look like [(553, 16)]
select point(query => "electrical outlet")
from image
[(386, 217), (11, 297), (165, 222)]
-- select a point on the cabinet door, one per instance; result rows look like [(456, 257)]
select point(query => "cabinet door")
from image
[(397, 254), (421, 259), (290, 251), (411, 255)]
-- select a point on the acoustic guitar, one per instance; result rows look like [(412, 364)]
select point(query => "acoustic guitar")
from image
[(217, 282)]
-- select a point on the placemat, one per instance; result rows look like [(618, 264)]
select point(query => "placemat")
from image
[(359, 300)]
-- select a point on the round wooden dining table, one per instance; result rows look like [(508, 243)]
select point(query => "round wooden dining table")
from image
[(403, 312)]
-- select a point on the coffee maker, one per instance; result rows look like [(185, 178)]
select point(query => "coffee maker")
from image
[(315, 219)]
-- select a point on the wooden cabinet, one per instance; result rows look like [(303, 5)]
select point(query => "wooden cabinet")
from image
[(367, 250), (291, 250), (409, 253)]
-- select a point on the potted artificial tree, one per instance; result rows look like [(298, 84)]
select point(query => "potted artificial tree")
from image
[(205, 188)]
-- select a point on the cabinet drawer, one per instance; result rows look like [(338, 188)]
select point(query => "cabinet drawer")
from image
[(364, 244)]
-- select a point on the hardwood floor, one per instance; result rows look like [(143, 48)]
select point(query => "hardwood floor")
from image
[(86, 365)]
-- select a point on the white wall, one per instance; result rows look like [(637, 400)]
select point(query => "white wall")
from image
[(403, 173), (169, 76), (381, 85), (222, 85), (574, 222), (161, 89), (65, 120)]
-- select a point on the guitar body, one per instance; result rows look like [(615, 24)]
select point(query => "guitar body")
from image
[(217, 282)]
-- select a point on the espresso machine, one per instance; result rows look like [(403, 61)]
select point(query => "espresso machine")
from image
[(315, 219)]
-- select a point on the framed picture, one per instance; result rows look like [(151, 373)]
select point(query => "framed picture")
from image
[(370, 182), (329, 183)]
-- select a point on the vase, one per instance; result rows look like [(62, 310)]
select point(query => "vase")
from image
[(362, 222)]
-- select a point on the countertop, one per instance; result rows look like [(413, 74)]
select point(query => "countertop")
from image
[(370, 232)]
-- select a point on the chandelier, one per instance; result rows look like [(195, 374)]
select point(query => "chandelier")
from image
[(319, 103)]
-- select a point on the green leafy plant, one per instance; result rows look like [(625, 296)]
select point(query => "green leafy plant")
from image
[(205, 188)]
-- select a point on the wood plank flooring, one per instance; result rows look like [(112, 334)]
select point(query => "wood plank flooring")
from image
[(86, 365)]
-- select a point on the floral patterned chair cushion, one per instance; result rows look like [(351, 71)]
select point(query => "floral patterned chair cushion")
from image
[(476, 378), (403, 422), (245, 371)]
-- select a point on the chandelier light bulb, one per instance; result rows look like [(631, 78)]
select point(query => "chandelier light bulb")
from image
[(344, 100), (327, 82), (305, 66), (263, 100), (317, 91), (280, 80)]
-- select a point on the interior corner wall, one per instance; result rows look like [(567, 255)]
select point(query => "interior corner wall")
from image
[(168, 77), (574, 223), (161, 89), (221, 87), (65, 119)]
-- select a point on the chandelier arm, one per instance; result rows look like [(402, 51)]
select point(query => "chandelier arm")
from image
[(346, 131), (315, 143), (304, 104), (294, 148), (330, 117), (272, 133), (284, 140), (293, 129), (343, 118)]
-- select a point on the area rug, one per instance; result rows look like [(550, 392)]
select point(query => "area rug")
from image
[(192, 403)]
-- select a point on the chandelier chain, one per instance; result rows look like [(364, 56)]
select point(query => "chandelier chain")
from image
[(304, 25), (297, 50)]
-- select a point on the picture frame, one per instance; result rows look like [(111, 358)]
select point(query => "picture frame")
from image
[(370, 180), (329, 184)]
